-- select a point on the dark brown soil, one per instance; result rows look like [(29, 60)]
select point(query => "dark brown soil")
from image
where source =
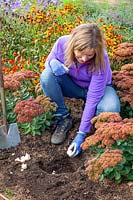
[(51, 174)]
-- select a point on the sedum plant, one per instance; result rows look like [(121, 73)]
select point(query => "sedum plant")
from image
[(124, 51), (113, 144), (123, 54), (28, 109), (123, 81), (108, 159), (32, 116)]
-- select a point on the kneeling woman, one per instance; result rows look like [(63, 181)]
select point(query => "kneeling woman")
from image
[(78, 67)]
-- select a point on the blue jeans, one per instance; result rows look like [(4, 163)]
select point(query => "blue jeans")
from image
[(58, 87)]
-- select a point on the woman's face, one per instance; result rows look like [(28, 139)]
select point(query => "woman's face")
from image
[(85, 55)]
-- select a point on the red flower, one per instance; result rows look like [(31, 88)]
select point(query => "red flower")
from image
[(11, 62), (100, 20)]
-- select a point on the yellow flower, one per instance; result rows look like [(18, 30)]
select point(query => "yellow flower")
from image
[(41, 64)]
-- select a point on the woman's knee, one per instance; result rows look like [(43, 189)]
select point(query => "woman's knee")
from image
[(46, 77), (109, 103), (108, 108)]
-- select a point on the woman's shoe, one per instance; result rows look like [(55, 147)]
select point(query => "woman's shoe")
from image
[(63, 126)]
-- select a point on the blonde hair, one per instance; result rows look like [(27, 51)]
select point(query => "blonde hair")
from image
[(82, 37)]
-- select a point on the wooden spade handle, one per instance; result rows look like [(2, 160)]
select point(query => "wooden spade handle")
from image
[(3, 100)]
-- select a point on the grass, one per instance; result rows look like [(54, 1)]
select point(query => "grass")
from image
[(113, 11), (120, 13)]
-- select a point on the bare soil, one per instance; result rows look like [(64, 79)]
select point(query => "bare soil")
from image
[(51, 174)]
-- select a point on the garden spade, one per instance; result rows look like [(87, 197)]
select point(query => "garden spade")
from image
[(9, 134)]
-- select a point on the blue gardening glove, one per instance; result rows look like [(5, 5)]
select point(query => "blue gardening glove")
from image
[(58, 68), (74, 149)]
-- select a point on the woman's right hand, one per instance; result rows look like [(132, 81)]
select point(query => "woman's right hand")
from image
[(75, 147)]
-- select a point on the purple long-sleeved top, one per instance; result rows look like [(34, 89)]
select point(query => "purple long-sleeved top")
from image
[(95, 82)]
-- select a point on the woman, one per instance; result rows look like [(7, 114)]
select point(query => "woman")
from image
[(78, 67)]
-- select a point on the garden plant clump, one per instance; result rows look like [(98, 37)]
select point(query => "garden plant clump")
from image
[(12, 82), (108, 159), (123, 81), (29, 31), (27, 110), (124, 51), (113, 142)]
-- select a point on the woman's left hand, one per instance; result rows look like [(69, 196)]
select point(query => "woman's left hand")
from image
[(58, 68)]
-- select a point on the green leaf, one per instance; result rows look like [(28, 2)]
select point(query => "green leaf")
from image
[(130, 151), (26, 96), (124, 160), (43, 128), (130, 113), (119, 142), (27, 131), (34, 133), (108, 170), (119, 167), (24, 125), (111, 175), (128, 156), (47, 123), (119, 180), (117, 176), (125, 171), (101, 177), (130, 176), (9, 193)]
